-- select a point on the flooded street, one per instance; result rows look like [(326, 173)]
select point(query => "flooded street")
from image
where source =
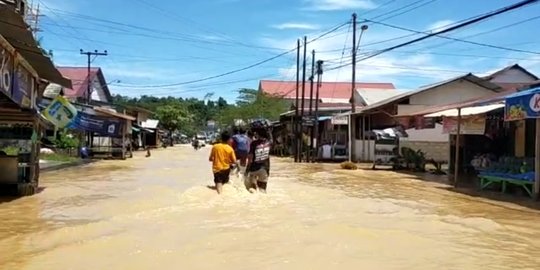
[(157, 213)]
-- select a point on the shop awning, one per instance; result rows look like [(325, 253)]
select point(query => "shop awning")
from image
[(467, 111), (114, 114), (523, 105), (135, 129), (17, 33), (324, 118)]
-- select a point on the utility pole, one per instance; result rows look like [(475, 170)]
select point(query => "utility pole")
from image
[(295, 120), (301, 133), (319, 77), (89, 85), (314, 120), (32, 18), (89, 76), (352, 129)]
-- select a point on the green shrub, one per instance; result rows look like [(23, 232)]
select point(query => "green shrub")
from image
[(10, 150), (65, 141)]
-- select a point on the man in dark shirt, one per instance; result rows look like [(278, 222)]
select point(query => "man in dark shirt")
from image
[(258, 166)]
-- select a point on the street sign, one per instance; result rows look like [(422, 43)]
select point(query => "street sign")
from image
[(340, 120)]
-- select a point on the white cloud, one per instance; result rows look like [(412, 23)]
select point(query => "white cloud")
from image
[(293, 25), (330, 5), (389, 67), (439, 25)]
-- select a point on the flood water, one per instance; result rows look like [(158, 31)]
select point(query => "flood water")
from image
[(157, 213)]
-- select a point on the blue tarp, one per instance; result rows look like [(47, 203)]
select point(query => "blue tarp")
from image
[(523, 105)]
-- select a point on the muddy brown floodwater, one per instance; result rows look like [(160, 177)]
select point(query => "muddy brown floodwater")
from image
[(157, 213)]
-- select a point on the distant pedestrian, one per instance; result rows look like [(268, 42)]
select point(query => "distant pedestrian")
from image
[(223, 158)]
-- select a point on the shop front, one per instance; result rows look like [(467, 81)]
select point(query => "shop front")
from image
[(24, 73)]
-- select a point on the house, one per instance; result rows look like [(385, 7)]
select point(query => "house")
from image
[(334, 100), (432, 141), (329, 92), (99, 91), (512, 77)]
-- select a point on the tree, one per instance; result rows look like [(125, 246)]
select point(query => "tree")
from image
[(253, 104), (173, 117)]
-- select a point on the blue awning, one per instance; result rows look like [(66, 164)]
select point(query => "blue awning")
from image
[(324, 118), (522, 105)]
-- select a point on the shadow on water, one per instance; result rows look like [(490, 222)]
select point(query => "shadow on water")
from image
[(496, 196), (6, 194), (469, 186)]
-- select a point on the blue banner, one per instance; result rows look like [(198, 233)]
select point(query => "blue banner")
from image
[(93, 123), (523, 105)]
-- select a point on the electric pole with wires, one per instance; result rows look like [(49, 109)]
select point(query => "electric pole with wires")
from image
[(89, 55), (352, 129), (89, 79)]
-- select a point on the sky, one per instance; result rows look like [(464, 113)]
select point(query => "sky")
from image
[(195, 48)]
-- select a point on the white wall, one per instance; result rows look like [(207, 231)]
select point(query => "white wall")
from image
[(97, 91), (451, 93), (370, 150), (513, 76)]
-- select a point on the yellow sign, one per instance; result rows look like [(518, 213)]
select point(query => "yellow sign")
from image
[(60, 112)]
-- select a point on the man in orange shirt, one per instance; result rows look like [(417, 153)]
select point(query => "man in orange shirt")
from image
[(222, 158)]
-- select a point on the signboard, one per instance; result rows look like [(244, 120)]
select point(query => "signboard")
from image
[(6, 71), (22, 87), (15, 82), (522, 106), (60, 112), (475, 125), (63, 114), (340, 120), (308, 120), (98, 124)]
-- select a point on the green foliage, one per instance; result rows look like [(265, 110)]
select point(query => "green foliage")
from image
[(65, 140), (190, 115), (415, 158), (58, 157), (173, 117), (10, 150), (253, 104)]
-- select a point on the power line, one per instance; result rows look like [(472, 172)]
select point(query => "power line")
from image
[(450, 29), (247, 67), (403, 8), (437, 34), (486, 32)]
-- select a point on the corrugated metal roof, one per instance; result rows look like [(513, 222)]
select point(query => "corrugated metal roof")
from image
[(371, 97), (17, 33), (482, 101), (287, 89), (467, 77), (467, 111)]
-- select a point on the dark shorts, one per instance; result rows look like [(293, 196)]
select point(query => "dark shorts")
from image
[(222, 177), (241, 154), (242, 157)]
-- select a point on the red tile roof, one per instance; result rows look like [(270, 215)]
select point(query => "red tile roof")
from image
[(79, 80), (287, 89)]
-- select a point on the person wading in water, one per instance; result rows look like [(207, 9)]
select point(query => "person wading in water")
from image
[(241, 144), (258, 166), (223, 158)]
